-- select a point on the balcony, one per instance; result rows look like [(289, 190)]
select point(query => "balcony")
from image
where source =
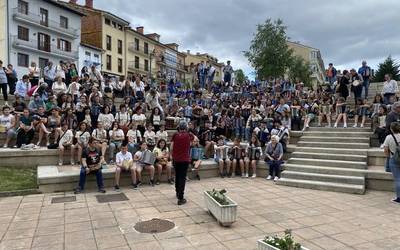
[(131, 66), (33, 46), (35, 20), (133, 48)]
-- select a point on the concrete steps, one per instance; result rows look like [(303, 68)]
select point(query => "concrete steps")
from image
[(329, 156), (326, 186), (324, 177), (329, 163), (317, 144), (333, 159), (313, 138)]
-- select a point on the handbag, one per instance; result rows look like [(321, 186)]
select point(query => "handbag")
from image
[(55, 145)]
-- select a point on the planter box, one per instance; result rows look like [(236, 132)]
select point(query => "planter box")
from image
[(261, 245), (225, 214)]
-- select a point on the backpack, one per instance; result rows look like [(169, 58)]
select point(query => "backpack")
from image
[(396, 154)]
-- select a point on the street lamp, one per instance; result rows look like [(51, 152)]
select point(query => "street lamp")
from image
[(152, 54)]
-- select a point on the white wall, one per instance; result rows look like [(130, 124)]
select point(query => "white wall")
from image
[(84, 60), (54, 13)]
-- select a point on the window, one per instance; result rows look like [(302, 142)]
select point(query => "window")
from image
[(119, 47), (108, 42), (146, 65), (23, 33), (87, 56), (96, 58), (23, 7), (114, 24), (107, 21), (23, 60), (136, 44), (44, 42), (120, 27), (146, 48), (63, 22), (136, 62), (43, 62), (44, 17), (119, 65), (108, 62), (63, 45)]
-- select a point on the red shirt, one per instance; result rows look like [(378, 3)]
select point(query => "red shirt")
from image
[(181, 148)]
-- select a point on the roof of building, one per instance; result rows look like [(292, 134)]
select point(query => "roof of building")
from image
[(302, 45), (63, 6), (84, 8)]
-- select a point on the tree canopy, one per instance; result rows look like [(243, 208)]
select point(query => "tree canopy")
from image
[(389, 66)]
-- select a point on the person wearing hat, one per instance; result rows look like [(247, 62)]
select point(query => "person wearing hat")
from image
[(180, 148)]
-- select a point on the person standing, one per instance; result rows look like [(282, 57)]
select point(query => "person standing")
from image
[(49, 73), (365, 72), (390, 89), (390, 147), (3, 82), (331, 74), (228, 70), (12, 78), (180, 147)]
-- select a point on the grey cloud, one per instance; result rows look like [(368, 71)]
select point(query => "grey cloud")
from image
[(344, 31)]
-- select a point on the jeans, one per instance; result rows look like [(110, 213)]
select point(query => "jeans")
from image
[(202, 81), (180, 178), (387, 165), (366, 87), (113, 147), (49, 83), (133, 148), (275, 168), (4, 90), (240, 132), (387, 97), (82, 178), (396, 175)]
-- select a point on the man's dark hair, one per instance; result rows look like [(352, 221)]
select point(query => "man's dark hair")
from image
[(6, 107)]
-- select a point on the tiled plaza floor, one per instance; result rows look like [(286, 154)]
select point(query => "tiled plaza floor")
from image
[(320, 220)]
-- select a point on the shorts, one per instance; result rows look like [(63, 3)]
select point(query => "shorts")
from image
[(311, 116), (217, 159), (140, 166)]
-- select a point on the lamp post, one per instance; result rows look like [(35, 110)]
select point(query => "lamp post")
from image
[(152, 54)]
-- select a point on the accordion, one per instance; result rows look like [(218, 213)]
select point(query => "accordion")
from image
[(222, 152), (196, 153), (237, 153), (170, 123), (147, 158), (254, 153)]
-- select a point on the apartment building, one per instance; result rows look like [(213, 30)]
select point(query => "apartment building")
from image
[(140, 53), (38, 31), (90, 55), (106, 31), (312, 56), (197, 58)]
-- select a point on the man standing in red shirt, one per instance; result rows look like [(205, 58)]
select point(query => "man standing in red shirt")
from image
[(180, 147)]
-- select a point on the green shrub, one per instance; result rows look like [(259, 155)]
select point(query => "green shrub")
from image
[(219, 196), (283, 243)]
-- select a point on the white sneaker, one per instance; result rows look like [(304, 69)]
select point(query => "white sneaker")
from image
[(60, 163), (355, 126), (243, 176), (276, 178), (335, 126), (6, 104), (5, 146), (269, 177), (247, 175), (254, 176), (345, 126), (361, 126), (382, 146)]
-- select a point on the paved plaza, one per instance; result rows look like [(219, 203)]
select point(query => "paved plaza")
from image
[(320, 220)]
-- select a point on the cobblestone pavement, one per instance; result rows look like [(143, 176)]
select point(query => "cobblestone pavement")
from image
[(319, 220)]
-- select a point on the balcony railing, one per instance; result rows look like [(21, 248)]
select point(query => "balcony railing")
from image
[(34, 19), (33, 45), (132, 47), (132, 65)]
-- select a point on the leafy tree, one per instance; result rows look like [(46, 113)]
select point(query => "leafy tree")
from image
[(301, 69), (269, 53), (389, 66), (239, 76)]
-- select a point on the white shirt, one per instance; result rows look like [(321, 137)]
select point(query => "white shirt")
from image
[(133, 135), (66, 138), (118, 133), (59, 88), (106, 119), (6, 121), (162, 135), (390, 143), (121, 157), (139, 119), (390, 87)]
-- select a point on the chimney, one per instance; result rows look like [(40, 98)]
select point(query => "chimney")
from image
[(188, 51), (140, 29), (73, 1), (89, 4)]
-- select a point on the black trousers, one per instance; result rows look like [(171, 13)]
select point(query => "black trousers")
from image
[(4, 90), (24, 137), (180, 178)]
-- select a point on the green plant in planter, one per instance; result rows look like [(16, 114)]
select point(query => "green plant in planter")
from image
[(283, 243), (219, 196)]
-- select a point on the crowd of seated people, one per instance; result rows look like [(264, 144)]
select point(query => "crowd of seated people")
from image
[(236, 124)]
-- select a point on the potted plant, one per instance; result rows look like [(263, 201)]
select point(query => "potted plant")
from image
[(221, 206), (279, 243)]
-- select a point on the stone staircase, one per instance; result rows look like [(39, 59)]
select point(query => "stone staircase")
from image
[(331, 159)]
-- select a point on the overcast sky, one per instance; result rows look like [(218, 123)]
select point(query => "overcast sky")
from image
[(346, 31)]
